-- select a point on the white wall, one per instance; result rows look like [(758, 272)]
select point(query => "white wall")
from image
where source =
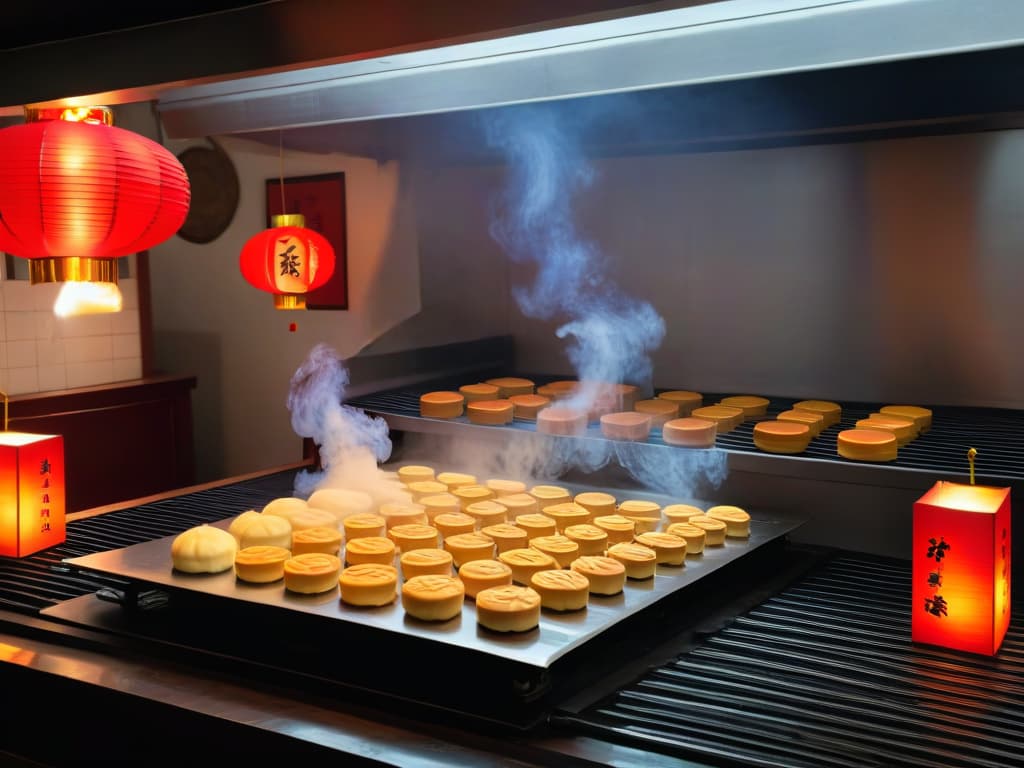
[(878, 271), (208, 321), (40, 352)]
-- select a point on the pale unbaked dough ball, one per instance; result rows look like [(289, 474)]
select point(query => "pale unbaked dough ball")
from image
[(204, 549)]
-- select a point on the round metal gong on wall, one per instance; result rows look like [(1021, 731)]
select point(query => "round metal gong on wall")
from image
[(214, 192)]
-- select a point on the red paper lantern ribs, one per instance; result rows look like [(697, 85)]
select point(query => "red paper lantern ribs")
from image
[(76, 192), (287, 261)]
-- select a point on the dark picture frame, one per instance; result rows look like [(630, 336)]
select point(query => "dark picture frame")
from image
[(321, 199)]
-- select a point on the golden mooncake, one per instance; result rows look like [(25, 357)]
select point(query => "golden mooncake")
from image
[(369, 584), (725, 417), (519, 504), (559, 420), (526, 407), (422, 488), (646, 514), (626, 425), (487, 512), (606, 575), (751, 405), (639, 561), (566, 514), (471, 494), (526, 562), (922, 416), (561, 590), (402, 513), (685, 400), (737, 520), (690, 432), (659, 409), (511, 385), (866, 445), (323, 539), (782, 436), (537, 525), (469, 546), (414, 536), (361, 526), (619, 529), (596, 503), (550, 494), (285, 507), (491, 412), (508, 608), (478, 575), (505, 487), (506, 536), (830, 412), (902, 428), (714, 530), (261, 565), (370, 549), (311, 573), (455, 480), (442, 405), (475, 393), (563, 549), (679, 513), (421, 562), (815, 422), (433, 597), (412, 473), (668, 548), (441, 504), (454, 523), (559, 390), (694, 536), (591, 539)]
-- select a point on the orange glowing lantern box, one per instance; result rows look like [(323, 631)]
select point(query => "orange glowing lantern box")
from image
[(961, 572), (31, 492)]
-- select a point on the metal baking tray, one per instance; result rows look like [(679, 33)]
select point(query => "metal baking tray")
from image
[(149, 564)]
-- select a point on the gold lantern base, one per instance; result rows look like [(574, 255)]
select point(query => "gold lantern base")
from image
[(289, 301), (72, 269)]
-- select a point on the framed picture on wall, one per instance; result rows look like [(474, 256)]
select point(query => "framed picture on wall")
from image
[(321, 199)]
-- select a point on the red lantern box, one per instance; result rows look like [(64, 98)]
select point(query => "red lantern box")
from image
[(961, 573), (31, 492)]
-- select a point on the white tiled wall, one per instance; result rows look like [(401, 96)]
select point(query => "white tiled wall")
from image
[(41, 352)]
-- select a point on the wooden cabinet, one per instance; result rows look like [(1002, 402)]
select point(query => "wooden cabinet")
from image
[(121, 441)]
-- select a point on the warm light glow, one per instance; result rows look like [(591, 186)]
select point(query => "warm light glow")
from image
[(961, 567), (31, 493), (970, 498), (87, 299)]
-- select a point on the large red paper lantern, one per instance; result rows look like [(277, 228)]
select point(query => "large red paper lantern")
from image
[(76, 192), (287, 260)]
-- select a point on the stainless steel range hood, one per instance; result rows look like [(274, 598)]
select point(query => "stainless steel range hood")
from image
[(661, 52)]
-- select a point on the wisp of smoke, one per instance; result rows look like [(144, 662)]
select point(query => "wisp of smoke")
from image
[(351, 442), (610, 334)]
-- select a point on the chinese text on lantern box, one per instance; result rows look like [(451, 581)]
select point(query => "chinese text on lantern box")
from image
[(31, 492), (961, 568)]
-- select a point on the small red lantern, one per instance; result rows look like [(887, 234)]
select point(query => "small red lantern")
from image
[(76, 192), (287, 260), (31, 493), (961, 567)]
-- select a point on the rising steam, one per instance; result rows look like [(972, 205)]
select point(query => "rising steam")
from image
[(611, 335), (351, 442)]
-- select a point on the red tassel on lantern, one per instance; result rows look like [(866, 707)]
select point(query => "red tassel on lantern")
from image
[(74, 195), (287, 261)]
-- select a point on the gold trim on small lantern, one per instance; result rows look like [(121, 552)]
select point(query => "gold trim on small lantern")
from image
[(289, 301), (288, 220), (72, 269)]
